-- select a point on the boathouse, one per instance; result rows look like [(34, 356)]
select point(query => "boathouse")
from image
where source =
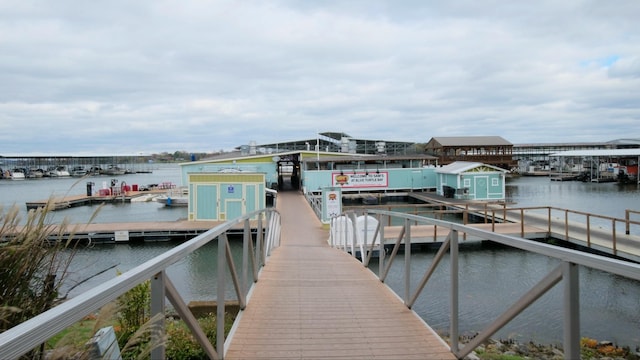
[(493, 150), (471, 181)]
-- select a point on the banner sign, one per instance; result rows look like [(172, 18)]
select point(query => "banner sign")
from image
[(332, 202), (360, 179)]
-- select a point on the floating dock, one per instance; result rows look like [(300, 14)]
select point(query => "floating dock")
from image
[(65, 202)]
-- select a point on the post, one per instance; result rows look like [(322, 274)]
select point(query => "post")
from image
[(615, 243), (588, 231), (566, 224), (521, 222), (157, 307), (222, 262), (571, 311), (407, 261), (453, 253)]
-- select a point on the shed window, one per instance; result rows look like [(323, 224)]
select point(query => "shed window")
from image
[(467, 183), (495, 182)]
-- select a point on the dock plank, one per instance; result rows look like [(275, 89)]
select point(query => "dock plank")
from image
[(314, 301)]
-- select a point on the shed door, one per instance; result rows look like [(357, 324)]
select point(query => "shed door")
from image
[(234, 209), (206, 202), (481, 185)]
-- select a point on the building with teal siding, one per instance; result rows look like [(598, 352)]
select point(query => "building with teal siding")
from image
[(471, 180)]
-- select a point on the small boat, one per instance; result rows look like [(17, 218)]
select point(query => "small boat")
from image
[(169, 200), (58, 171), (113, 170), (95, 170), (78, 171), (36, 173), (175, 197), (18, 174)]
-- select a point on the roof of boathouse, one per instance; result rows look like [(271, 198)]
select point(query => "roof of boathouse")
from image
[(242, 156), (449, 141), (460, 167), (372, 158), (599, 152)]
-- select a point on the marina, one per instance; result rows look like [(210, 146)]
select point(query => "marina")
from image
[(600, 199)]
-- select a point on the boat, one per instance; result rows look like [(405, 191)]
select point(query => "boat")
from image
[(174, 197), (58, 171), (169, 200), (113, 170), (78, 171), (18, 174), (95, 170), (35, 173)]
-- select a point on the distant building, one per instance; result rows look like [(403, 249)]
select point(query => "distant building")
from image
[(535, 158), (336, 142), (492, 150)]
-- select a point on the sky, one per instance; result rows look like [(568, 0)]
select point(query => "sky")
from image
[(152, 76)]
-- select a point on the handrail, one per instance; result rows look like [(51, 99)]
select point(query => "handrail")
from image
[(26, 336), (566, 272), (553, 218)]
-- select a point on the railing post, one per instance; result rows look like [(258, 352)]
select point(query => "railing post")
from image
[(157, 307), (626, 221), (382, 253), (571, 311), (222, 264), (493, 220), (246, 237), (407, 260), (521, 222), (615, 243), (453, 254), (588, 231), (566, 224)]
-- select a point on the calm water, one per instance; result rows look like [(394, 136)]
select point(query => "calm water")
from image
[(491, 278)]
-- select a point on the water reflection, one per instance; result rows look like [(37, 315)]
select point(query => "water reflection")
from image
[(493, 277), (194, 276)]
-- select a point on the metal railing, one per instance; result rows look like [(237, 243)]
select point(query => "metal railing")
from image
[(566, 272), (30, 334), (559, 223)]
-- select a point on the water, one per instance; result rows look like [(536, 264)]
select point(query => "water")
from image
[(491, 277), (18, 193)]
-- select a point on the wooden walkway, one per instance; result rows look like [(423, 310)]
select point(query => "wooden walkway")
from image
[(316, 302)]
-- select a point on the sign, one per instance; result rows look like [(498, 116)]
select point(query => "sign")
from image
[(121, 235), (331, 203), (230, 189), (360, 179), (333, 200)]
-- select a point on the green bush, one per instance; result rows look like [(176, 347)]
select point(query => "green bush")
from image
[(181, 344)]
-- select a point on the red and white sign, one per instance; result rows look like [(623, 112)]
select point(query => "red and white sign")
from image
[(360, 179)]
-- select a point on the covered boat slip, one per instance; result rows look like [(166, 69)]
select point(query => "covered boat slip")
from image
[(313, 301), (602, 163)]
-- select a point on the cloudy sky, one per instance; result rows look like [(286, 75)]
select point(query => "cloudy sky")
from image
[(151, 76)]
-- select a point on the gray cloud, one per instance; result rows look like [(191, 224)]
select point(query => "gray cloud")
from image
[(151, 76)]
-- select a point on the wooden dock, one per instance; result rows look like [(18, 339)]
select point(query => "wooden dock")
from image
[(69, 201), (316, 302), (538, 223)]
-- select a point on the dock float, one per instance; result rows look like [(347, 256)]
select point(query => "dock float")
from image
[(65, 202)]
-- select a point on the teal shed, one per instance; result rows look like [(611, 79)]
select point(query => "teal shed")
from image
[(471, 181)]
